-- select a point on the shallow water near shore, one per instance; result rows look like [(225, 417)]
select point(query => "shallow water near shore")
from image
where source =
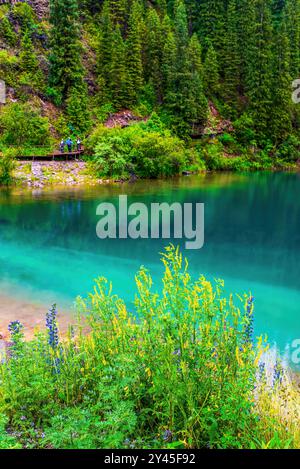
[(49, 251)]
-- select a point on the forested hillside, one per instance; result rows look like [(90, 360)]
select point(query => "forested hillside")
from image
[(221, 68)]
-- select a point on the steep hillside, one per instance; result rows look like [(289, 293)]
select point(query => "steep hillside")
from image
[(195, 66)]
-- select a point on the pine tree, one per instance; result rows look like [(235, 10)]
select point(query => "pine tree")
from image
[(105, 52), (260, 80), (211, 73), (198, 106), (168, 67), (153, 56), (211, 25), (66, 70), (183, 71), (281, 118), (28, 58), (246, 21), (231, 60), (134, 53), (117, 71), (118, 11), (291, 18)]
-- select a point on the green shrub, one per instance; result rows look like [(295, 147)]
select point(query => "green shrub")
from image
[(157, 156), (111, 157), (22, 125), (25, 15), (289, 150), (146, 149), (7, 166), (179, 371), (7, 32)]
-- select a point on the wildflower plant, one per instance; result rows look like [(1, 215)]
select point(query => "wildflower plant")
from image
[(179, 370)]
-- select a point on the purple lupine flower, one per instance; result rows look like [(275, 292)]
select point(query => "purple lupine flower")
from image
[(277, 376), (51, 323), (15, 327), (249, 326), (168, 436), (262, 370)]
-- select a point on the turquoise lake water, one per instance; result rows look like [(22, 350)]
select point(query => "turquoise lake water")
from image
[(49, 250)]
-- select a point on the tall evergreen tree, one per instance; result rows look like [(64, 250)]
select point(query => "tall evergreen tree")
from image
[(118, 10), (135, 78), (280, 119), (246, 21), (117, 72), (105, 51), (260, 80), (231, 60), (211, 73), (154, 46), (28, 58), (66, 70), (211, 26)]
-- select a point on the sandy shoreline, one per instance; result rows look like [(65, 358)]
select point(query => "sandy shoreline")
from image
[(31, 315)]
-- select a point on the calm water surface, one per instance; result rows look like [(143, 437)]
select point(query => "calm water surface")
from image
[(49, 251)]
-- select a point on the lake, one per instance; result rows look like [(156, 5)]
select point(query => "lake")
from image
[(49, 251)]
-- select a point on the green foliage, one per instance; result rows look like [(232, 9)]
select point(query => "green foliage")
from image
[(77, 110), (169, 57), (7, 166), (66, 70), (7, 32), (21, 125), (144, 150), (178, 371), (211, 73), (7, 441), (24, 14)]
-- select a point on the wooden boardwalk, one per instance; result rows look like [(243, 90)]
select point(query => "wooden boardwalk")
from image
[(56, 155)]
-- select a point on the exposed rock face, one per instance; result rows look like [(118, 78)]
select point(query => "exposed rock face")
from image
[(41, 7)]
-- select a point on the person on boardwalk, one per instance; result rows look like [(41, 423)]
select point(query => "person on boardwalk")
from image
[(78, 144), (69, 145), (62, 146)]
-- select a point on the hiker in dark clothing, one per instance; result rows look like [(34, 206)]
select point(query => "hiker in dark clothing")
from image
[(78, 144), (62, 146), (69, 144)]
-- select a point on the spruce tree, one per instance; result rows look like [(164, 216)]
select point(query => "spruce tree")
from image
[(118, 10), (281, 118), (66, 70), (246, 21), (183, 71), (211, 26), (259, 88), (211, 73), (153, 56), (105, 52), (134, 53), (28, 58), (117, 71), (231, 60)]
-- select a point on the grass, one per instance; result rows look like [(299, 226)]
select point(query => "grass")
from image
[(182, 370)]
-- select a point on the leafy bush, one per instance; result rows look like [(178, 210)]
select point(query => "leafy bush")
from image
[(21, 125), (289, 150), (110, 157), (178, 371), (7, 166), (7, 32), (146, 149), (25, 15), (244, 130), (157, 156)]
